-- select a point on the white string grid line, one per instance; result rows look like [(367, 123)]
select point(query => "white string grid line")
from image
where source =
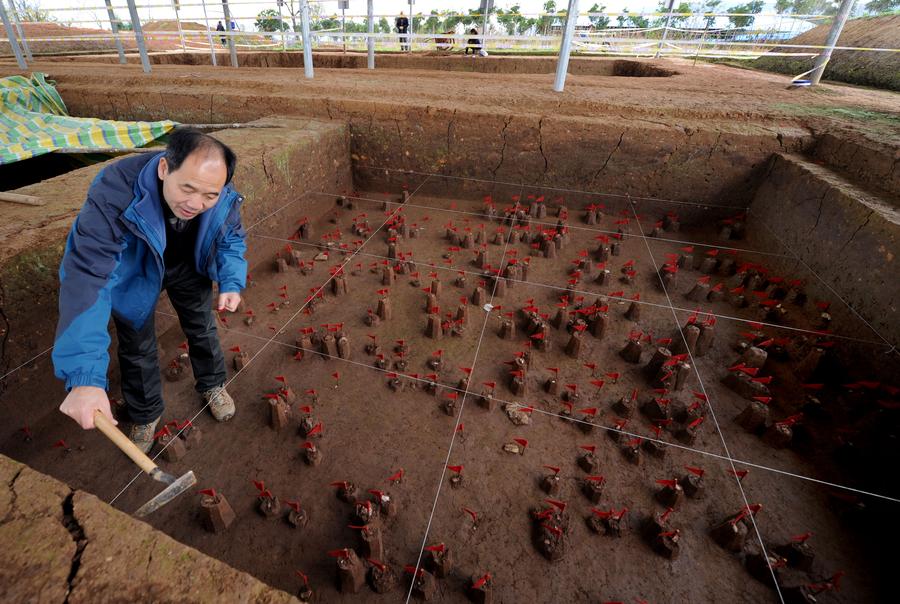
[(250, 361)]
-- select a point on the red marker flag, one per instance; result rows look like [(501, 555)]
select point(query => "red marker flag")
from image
[(561, 505), (481, 582)]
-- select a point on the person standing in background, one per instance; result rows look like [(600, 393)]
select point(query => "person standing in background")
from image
[(220, 27), (402, 25)]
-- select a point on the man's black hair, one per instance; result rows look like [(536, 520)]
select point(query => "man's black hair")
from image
[(184, 141)]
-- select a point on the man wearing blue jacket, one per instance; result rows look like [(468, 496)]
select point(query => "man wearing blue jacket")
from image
[(151, 222)]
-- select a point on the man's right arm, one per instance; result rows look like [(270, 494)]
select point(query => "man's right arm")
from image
[(86, 274)]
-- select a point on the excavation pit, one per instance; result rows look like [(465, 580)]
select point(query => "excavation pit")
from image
[(381, 399)]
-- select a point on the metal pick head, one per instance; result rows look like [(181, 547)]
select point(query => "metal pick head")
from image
[(168, 494)]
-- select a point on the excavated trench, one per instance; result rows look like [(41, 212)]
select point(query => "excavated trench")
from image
[(438, 62), (780, 240)]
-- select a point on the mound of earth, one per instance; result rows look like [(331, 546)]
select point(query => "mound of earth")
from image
[(866, 68), (54, 38), (172, 25)]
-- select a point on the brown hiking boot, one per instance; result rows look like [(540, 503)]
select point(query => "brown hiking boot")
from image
[(221, 405), (142, 435)]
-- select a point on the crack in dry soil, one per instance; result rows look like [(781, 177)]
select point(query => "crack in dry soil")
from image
[(858, 229), (12, 487), (74, 527), (269, 178), (450, 125), (541, 144), (608, 157), (506, 123), (819, 214), (714, 146)]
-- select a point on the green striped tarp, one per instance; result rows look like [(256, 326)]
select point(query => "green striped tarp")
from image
[(34, 120)]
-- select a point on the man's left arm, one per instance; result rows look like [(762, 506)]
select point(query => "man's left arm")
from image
[(230, 263)]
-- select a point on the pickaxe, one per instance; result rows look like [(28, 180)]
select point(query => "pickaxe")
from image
[(176, 486)]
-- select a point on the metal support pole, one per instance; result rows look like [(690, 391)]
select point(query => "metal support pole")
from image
[(114, 26), (307, 44), (344, 29), (18, 25), (178, 22), (700, 46), (281, 26), (488, 5), (230, 32), (412, 28), (562, 64), (13, 43), (822, 60), (139, 35), (370, 41), (665, 33), (209, 38)]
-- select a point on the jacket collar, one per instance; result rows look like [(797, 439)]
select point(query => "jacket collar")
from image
[(147, 205)]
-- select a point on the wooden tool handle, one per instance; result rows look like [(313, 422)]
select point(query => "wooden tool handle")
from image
[(28, 200), (123, 442)]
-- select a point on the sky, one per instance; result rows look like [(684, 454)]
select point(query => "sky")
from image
[(245, 11)]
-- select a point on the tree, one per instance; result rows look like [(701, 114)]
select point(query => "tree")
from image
[(383, 26), (598, 21), (674, 20), (744, 21), (293, 10), (546, 20), (323, 23), (879, 7), (639, 21), (30, 11), (353, 27), (626, 19), (710, 6), (807, 7), (414, 22), (268, 20), (432, 22), (509, 20)]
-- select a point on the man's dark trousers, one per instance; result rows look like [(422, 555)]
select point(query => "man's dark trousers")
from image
[(191, 295)]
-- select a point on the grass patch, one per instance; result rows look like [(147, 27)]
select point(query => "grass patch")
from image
[(842, 113)]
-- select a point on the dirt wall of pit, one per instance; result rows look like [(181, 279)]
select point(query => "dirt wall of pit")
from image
[(847, 235), (872, 165), (62, 545), (683, 161), (438, 61), (277, 165)]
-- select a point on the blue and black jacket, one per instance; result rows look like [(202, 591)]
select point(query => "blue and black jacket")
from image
[(113, 262)]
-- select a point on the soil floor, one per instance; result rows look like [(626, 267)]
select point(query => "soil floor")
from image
[(411, 443)]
